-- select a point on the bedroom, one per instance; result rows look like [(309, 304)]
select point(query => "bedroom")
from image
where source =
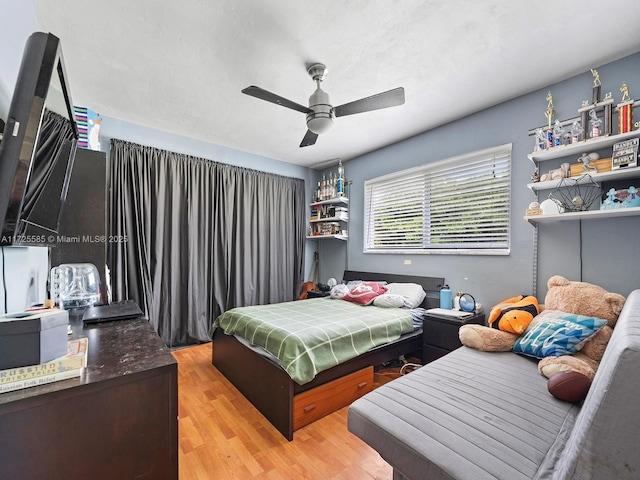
[(602, 258)]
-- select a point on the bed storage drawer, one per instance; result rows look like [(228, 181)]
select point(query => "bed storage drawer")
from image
[(313, 404)]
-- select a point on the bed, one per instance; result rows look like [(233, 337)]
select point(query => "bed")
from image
[(287, 404)]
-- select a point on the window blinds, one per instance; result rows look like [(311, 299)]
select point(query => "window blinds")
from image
[(459, 205)]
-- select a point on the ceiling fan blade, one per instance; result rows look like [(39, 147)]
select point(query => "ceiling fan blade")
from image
[(309, 139), (263, 94), (387, 99)]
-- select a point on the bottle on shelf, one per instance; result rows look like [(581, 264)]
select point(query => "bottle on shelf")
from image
[(332, 186), (323, 187), (340, 181)]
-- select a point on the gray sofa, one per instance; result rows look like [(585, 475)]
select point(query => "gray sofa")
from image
[(478, 415)]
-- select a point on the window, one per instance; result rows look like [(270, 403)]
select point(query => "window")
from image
[(459, 205)]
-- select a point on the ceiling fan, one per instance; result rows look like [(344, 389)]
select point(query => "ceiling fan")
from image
[(320, 113)]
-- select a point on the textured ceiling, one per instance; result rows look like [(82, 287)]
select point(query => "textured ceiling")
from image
[(179, 66)]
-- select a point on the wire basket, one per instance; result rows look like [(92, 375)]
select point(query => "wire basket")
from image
[(577, 194)]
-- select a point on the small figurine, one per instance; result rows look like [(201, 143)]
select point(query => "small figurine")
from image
[(596, 86), (624, 89), (550, 110), (576, 131), (586, 166), (595, 124), (541, 140), (558, 130), (535, 176)]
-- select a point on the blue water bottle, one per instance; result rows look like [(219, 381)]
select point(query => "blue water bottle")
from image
[(445, 297)]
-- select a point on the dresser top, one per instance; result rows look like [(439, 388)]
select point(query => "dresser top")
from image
[(116, 349)]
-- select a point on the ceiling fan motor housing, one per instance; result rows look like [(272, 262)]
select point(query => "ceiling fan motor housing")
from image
[(321, 119)]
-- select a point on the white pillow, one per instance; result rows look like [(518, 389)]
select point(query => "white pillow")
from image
[(389, 301), (339, 291), (412, 292)]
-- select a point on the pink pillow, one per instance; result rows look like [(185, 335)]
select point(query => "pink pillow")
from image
[(364, 293)]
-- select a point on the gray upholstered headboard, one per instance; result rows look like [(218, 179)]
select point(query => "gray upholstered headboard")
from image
[(431, 285)]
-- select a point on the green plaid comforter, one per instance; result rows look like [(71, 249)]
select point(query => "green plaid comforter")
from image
[(310, 336)]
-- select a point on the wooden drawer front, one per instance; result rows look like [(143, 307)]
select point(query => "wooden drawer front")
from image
[(320, 401)]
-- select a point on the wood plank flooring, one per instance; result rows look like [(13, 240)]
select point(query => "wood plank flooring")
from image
[(222, 436)]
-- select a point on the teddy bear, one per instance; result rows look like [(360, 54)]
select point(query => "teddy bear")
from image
[(569, 297)]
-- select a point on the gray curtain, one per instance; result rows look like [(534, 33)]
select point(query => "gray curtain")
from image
[(201, 237)]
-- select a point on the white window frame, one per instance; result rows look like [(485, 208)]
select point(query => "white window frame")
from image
[(486, 177)]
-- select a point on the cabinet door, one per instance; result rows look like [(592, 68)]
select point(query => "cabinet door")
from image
[(126, 428)]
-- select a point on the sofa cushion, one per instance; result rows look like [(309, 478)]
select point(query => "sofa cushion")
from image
[(468, 415)]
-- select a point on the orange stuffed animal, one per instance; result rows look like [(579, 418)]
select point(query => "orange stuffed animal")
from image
[(514, 314)]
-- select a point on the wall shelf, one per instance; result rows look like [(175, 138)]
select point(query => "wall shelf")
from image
[(578, 149), (622, 173), (323, 237), (330, 212), (591, 214), (330, 219), (586, 146), (332, 201)]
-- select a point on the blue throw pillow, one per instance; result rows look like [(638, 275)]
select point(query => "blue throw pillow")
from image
[(554, 333)]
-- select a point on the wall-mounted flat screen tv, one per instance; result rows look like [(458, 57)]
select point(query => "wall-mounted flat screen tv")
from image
[(38, 147)]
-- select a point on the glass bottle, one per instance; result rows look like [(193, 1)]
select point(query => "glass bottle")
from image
[(340, 182), (332, 185)]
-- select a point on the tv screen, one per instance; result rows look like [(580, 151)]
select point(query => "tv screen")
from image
[(38, 146)]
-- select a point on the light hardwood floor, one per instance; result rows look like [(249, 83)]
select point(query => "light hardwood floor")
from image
[(222, 436)]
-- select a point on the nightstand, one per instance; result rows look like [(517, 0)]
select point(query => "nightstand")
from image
[(440, 334)]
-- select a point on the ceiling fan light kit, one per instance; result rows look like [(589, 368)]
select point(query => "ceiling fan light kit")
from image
[(321, 119), (320, 113)]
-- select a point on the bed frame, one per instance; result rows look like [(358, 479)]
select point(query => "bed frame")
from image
[(270, 389)]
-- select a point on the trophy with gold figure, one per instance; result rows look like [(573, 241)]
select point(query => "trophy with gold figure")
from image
[(625, 110), (549, 113)]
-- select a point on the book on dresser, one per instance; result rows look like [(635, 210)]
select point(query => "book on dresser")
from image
[(67, 366)]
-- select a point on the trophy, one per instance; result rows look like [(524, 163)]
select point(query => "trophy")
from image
[(625, 110), (558, 133), (549, 114), (607, 103), (595, 124), (577, 131), (596, 86)]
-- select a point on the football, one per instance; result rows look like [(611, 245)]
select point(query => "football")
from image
[(569, 386)]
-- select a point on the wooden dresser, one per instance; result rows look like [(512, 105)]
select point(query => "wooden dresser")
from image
[(117, 421)]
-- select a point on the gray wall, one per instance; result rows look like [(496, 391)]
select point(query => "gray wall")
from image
[(599, 251)]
